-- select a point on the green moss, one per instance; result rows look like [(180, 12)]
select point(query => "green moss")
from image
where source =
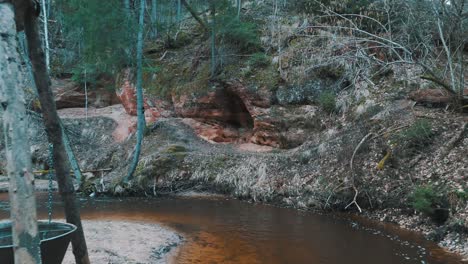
[(265, 77), (330, 72), (175, 149), (182, 39), (140, 168)]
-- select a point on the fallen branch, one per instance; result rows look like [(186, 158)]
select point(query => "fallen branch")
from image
[(356, 192), (93, 171), (439, 82), (454, 141)]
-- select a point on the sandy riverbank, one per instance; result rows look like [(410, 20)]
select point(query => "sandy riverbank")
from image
[(121, 242)]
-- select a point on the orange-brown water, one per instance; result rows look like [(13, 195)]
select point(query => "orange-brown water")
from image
[(220, 230)]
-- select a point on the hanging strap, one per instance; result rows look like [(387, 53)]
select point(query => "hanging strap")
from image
[(51, 172)]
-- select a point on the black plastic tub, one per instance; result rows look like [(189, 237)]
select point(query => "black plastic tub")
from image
[(55, 238)]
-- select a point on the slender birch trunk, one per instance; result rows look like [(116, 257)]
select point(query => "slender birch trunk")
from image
[(21, 190), (213, 38), (154, 18), (139, 91), (46, 34), (54, 135), (179, 11)]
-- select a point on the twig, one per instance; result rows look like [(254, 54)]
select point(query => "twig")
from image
[(356, 192)]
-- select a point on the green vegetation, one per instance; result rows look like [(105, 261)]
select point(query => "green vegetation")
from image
[(175, 149), (425, 199), (327, 100), (259, 59), (417, 135), (462, 195), (243, 35), (93, 30)]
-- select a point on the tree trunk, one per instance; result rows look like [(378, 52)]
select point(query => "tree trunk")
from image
[(154, 18), (179, 11), (21, 190), (127, 7), (213, 38), (140, 108), (46, 34), (54, 134), (71, 156), (239, 6)]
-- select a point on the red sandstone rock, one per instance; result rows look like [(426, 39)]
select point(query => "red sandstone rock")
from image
[(216, 132), (154, 109), (234, 105), (127, 96)]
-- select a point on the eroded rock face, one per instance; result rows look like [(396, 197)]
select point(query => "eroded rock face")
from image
[(127, 96), (154, 108), (218, 116), (231, 112), (69, 94), (235, 113)]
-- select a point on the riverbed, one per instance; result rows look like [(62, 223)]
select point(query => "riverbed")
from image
[(223, 230)]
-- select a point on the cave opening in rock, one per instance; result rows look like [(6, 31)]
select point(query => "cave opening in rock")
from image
[(235, 111)]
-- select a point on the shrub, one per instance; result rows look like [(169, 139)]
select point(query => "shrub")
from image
[(327, 100), (259, 60), (417, 135), (424, 199), (462, 195), (427, 200)]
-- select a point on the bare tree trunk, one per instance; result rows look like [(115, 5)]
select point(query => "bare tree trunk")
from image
[(213, 38), (46, 34), (54, 134), (127, 7), (71, 156), (154, 18), (179, 12), (140, 108), (21, 190)]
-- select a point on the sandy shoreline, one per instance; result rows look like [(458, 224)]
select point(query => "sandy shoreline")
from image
[(121, 242)]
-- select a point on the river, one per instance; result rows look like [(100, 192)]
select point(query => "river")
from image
[(224, 230)]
